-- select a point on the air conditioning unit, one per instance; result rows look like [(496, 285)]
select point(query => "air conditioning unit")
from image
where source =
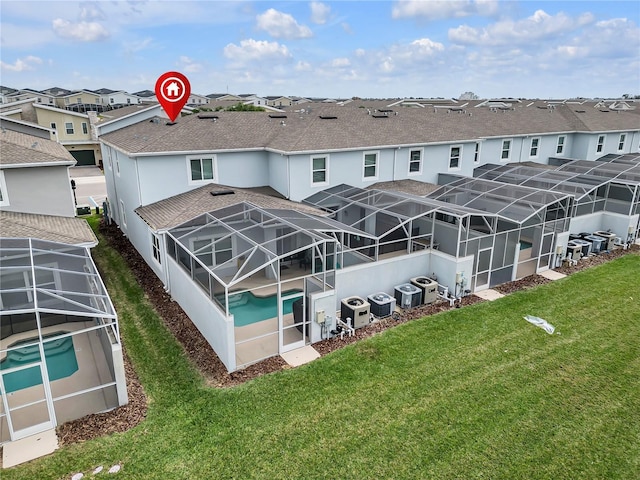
[(357, 309), (609, 236), (382, 304), (428, 287), (407, 295), (574, 251), (584, 244), (598, 243)]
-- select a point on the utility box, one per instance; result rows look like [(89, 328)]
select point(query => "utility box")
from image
[(83, 210)]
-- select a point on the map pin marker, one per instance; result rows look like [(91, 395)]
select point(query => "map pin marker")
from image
[(172, 91)]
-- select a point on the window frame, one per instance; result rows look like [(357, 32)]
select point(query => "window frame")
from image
[(66, 128), (314, 170), (508, 150), (85, 128), (412, 161), (600, 144), (4, 195), (476, 153), (123, 214), (560, 144), (200, 158), (54, 126), (621, 141), (458, 166), (156, 251), (376, 153), (535, 147)]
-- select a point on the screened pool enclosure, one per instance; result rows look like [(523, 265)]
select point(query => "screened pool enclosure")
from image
[(60, 353)]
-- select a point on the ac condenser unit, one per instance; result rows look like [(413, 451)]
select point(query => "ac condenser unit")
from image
[(574, 251), (382, 304), (408, 295), (357, 309), (609, 237), (585, 244), (597, 243), (428, 287)]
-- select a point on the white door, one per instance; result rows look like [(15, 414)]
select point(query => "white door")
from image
[(483, 269), (26, 401), (293, 322), (546, 252)]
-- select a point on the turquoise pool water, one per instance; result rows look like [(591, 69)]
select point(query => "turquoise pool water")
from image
[(60, 358), (246, 308)]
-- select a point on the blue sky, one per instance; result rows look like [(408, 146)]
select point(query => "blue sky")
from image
[(339, 49)]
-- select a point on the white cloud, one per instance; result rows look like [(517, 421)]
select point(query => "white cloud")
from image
[(282, 25), (319, 12), (539, 26), (91, 11), (137, 45), (21, 64), (439, 9), (340, 62), (251, 50), (424, 46), (188, 65), (82, 31), (302, 66)]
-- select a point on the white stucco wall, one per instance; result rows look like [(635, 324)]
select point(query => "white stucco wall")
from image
[(43, 190)]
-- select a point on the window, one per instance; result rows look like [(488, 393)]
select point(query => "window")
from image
[(155, 248), (600, 145), (111, 100), (107, 150), (79, 100), (623, 137), (319, 170), (4, 198), (560, 146), (211, 251), (69, 127), (476, 154), (370, 166), (506, 150), (535, 144), (454, 157), (53, 126), (117, 163), (201, 169), (84, 128), (415, 162), (123, 215), (128, 100)]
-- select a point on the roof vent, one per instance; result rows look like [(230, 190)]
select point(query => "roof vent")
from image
[(327, 117), (580, 111), (603, 111), (277, 115), (385, 110), (170, 123), (219, 193), (209, 116), (378, 115)]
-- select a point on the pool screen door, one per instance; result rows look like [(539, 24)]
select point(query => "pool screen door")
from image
[(292, 322), (29, 410)]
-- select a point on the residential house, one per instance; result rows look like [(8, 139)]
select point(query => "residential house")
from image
[(178, 190), (34, 175), (81, 101), (196, 100), (117, 98), (279, 101), (147, 96)]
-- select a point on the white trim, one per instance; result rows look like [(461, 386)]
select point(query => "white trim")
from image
[(510, 140), (326, 170), (43, 164), (123, 214), (214, 167), (155, 247), (66, 128), (459, 166), (538, 141), (562, 145), (600, 146), (377, 165), (420, 162), (4, 202), (622, 139), (61, 111)]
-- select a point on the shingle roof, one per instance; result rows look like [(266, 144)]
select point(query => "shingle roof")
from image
[(356, 128), (180, 208), (412, 187), (71, 230), (19, 148)]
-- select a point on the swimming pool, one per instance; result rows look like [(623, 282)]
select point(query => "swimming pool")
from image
[(60, 358), (246, 308)]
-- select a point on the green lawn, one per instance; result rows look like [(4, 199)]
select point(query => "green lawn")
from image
[(471, 393)]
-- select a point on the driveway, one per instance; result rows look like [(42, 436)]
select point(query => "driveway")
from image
[(90, 184)]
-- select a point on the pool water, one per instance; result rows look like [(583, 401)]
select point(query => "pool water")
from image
[(246, 308), (60, 358)]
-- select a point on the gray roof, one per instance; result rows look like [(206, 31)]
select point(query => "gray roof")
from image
[(183, 207), (412, 187), (357, 128), (19, 148), (71, 230)]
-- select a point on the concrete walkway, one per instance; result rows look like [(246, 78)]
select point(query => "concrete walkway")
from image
[(29, 448), (489, 294), (300, 356)]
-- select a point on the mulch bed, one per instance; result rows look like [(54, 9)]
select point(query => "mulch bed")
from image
[(200, 353)]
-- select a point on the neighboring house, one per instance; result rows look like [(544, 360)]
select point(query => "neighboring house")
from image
[(52, 299), (279, 101), (39, 97), (81, 101), (117, 98), (73, 130), (147, 96), (220, 97), (5, 93), (196, 100), (33, 129), (34, 175)]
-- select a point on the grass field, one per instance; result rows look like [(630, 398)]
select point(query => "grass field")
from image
[(471, 393)]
